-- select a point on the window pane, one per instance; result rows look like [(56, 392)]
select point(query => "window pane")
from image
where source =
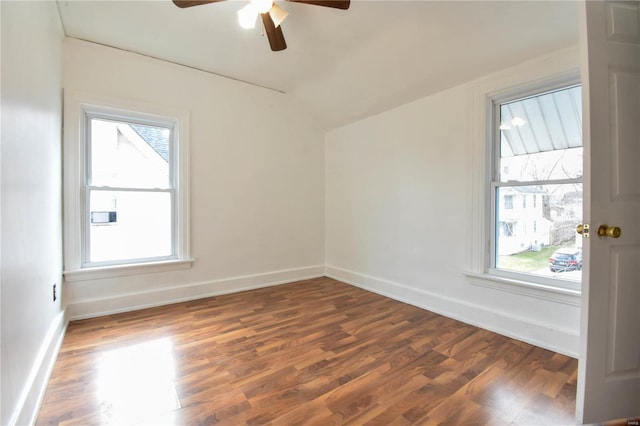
[(551, 165), (539, 237), (541, 137), (129, 155), (129, 225)]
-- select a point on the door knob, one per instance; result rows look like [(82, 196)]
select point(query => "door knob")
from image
[(609, 231)]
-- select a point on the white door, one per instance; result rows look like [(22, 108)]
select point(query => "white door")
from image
[(609, 368)]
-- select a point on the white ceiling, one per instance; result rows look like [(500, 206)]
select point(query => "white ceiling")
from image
[(342, 65)]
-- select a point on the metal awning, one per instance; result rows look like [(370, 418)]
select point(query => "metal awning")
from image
[(542, 123)]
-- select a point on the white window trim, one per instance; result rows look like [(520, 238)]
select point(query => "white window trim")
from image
[(481, 223), (126, 269), (76, 105)]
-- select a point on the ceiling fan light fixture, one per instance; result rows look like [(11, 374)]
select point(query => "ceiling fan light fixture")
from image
[(262, 6), (272, 15), (277, 14), (247, 16)]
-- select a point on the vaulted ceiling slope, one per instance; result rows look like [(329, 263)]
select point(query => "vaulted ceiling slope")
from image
[(342, 65)]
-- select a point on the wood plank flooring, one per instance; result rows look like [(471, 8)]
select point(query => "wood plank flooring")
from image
[(316, 352)]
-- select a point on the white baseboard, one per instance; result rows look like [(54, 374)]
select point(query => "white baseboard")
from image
[(28, 406), (80, 309), (508, 324)]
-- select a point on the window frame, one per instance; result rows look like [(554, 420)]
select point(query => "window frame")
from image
[(80, 108), (494, 101)]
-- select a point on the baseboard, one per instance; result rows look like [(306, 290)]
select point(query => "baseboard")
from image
[(28, 405), (80, 309), (508, 324)]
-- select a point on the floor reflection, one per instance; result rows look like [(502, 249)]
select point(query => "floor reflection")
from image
[(137, 381)]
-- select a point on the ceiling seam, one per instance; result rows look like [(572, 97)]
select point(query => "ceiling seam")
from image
[(64, 29), (182, 65)]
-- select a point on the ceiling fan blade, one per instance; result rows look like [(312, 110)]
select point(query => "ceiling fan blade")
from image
[(274, 34), (336, 4), (190, 3)]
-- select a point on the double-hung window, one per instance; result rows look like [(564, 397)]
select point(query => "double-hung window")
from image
[(126, 193), (129, 189), (536, 186)]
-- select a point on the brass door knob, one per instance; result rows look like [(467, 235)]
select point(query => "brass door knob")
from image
[(609, 231), (579, 229)]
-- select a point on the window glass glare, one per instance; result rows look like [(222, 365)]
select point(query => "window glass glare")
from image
[(129, 225), (125, 155)]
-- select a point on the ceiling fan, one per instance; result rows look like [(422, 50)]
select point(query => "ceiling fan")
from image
[(272, 15)]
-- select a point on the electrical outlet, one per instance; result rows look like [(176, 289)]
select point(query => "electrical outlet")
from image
[(54, 292)]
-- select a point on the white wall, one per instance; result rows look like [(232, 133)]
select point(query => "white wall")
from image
[(403, 210), (257, 181), (31, 262)]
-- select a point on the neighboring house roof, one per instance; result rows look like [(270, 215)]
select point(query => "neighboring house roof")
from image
[(530, 190), (527, 190), (155, 137)]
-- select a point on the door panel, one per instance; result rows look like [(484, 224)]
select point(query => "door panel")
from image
[(622, 22), (609, 369), (625, 95), (623, 355)]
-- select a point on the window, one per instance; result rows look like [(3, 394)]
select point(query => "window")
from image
[(507, 229), (129, 171), (130, 176), (537, 161), (508, 202)]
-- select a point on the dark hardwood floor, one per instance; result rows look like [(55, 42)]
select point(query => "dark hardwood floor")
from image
[(315, 352)]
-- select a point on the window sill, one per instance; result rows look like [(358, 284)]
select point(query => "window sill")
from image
[(125, 270), (526, 288)]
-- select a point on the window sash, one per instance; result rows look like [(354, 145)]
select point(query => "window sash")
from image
[(86, 227), (494, 229), (91, 113)]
